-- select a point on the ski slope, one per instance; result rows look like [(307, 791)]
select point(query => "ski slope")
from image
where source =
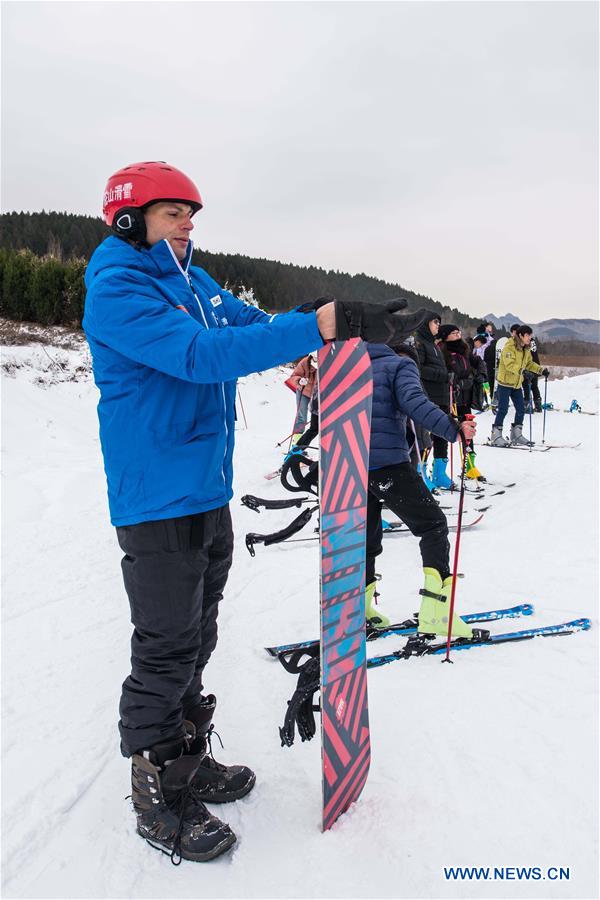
[(489, 762)]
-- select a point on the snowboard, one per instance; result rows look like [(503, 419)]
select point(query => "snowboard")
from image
[(345, 392)]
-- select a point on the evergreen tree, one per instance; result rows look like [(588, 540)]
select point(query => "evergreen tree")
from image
[(74, 291), (47, 291), (17, 285)]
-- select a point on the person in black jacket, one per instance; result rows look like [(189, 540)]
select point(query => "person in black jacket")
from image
[(436, 383), (468, 370), (530, 381)]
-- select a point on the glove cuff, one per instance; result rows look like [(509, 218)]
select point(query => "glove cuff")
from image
[(348, 320)]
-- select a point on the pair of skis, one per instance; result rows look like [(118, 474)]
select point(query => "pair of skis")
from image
[(422, 645), (410, 627)]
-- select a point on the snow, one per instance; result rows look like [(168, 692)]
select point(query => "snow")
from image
[(491, 761)]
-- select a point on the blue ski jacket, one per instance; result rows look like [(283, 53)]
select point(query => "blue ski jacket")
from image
[(167, 345), (398, 394)]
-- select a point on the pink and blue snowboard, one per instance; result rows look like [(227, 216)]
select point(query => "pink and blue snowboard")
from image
[(345, 391)]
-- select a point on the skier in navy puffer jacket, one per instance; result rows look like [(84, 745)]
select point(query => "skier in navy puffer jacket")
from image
[(397, 395)]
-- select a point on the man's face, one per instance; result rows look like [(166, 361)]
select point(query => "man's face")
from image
[(454, 335), (171, 222), (526, 338), (489, 329), (434, 326)]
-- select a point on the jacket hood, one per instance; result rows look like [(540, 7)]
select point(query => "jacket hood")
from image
[(423, 329), (376, 351), (114, 252)]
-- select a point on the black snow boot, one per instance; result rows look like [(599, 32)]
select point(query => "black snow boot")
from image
[(170, 814), (214, 782)]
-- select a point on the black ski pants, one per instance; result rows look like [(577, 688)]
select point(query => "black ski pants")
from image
[(440, 445), (174, 571), (404, 492)]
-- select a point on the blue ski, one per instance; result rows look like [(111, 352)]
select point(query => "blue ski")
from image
[(410, 627), (418, 647)]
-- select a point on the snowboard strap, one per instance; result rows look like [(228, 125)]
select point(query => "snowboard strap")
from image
[(291, 466), (277, 536), (301, 708), (256, 502)]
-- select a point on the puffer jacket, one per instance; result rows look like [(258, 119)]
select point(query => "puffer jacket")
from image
[(432, 365), (167, 345), (468, 369), (398, 394), (514, 360), (303, 371)]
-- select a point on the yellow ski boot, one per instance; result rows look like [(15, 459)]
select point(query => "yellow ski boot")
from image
[(435, 608), (375, 617), (471, 469)]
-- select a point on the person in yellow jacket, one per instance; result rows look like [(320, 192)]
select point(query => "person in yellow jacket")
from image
[(514, 360)]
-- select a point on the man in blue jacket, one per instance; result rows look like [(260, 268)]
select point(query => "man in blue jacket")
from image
[(167, 344)]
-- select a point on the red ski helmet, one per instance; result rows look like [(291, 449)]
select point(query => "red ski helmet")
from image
[(136, 186)]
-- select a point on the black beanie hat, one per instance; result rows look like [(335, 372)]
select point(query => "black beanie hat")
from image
[(445, 330)]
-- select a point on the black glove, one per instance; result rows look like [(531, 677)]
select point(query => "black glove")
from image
[(377, 323), (545, 373)]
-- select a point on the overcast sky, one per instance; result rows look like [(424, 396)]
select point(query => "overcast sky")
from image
[(451, 147)]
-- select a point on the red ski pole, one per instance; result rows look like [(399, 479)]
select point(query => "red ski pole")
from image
[(457, 544)]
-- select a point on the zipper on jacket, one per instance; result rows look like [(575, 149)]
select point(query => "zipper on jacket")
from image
[(188, 279)]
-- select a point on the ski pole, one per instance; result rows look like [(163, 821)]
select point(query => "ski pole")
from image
[(545, 399), (242, 408), (298, 402), (461, 501), (283, 440), (530, 419), (417, 450)]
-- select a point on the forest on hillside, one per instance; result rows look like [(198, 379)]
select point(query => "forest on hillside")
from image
[(43, 257), (47, 251)]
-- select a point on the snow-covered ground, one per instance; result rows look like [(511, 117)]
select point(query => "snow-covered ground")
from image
[(489, 762)]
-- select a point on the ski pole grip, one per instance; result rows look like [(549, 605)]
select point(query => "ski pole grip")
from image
[(469, 417)]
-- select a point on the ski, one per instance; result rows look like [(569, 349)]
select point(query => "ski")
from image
[(400, 527), (420, 647), (478, 493), (271, 475), (392, 528), (535, 448), (562, 446), (345, 392), (449, 512), (410, 627)]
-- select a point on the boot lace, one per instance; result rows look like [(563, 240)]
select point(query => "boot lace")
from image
[(209, 759), (184, 806)]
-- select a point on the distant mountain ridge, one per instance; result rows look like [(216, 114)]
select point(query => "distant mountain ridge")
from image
[(554, 329)]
